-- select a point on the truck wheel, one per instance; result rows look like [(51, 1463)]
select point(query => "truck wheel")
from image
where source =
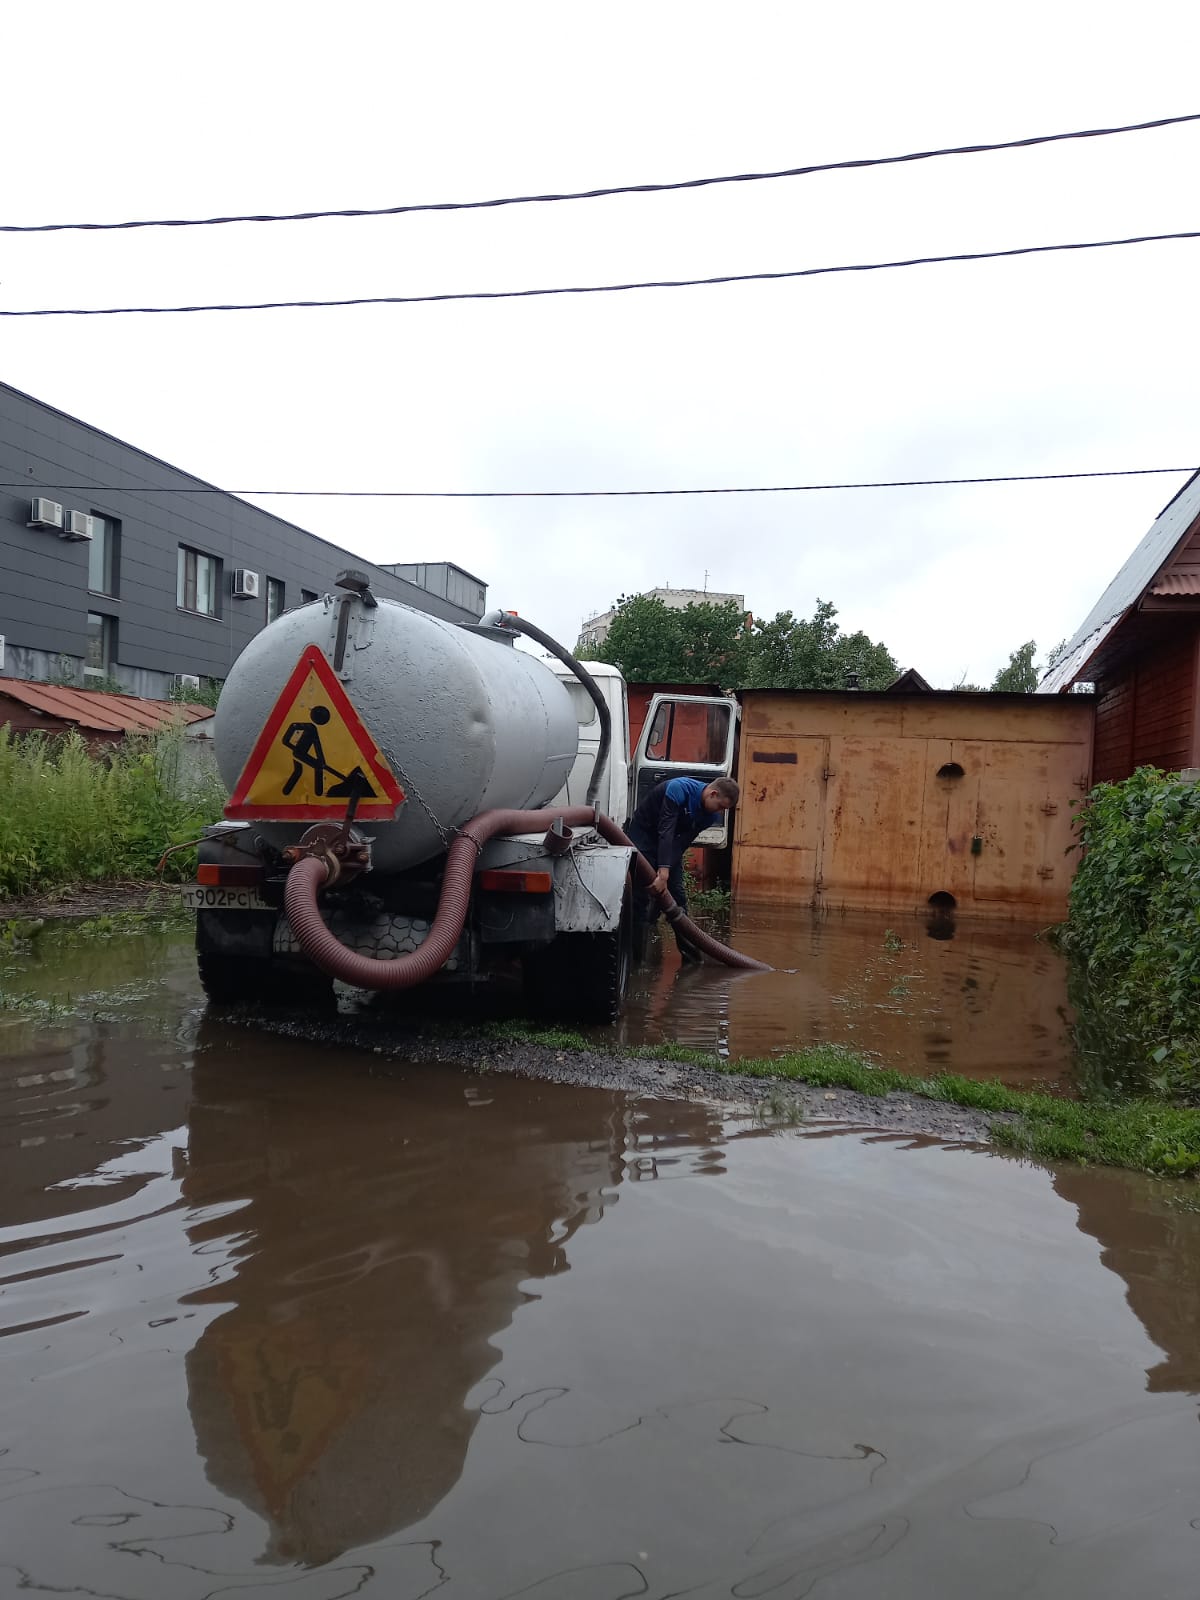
[(235, 981), (583, 977)]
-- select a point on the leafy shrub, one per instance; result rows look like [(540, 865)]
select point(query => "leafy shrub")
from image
[(69, 817), (1134, 922)]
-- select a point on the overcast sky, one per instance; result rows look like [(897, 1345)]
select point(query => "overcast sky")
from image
[(1060, 363)]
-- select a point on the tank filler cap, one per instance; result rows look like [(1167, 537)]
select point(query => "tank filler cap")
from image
[(357, 583)]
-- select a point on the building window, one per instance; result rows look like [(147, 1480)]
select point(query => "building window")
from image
[(101, 646), (199, 582), (104, 555), (274, 598), (307, 596)]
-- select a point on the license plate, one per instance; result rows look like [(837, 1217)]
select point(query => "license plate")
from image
[(200, 897)]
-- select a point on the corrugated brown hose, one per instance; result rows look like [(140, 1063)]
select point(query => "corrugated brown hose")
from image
[(325, 950)]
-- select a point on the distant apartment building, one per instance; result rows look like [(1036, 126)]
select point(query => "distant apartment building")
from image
[(594, 631), (118, 568)]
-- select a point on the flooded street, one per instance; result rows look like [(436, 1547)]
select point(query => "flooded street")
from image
[(279, 1317), (987, 999)]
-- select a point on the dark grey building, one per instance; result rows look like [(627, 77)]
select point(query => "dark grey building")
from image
[(113, 581)]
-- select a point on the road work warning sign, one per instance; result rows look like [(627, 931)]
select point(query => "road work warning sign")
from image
[(314, 756)]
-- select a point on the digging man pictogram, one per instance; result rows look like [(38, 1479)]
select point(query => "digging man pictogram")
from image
[(303, 741)]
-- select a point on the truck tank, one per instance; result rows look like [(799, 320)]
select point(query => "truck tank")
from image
[(464, 719)]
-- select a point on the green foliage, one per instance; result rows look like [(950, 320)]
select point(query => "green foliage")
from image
[(712, 902), (652, 642), (1020, 676), (68, 817), (790, 652), (1134, 922), (68, 674), (713, 643), (207, 694)]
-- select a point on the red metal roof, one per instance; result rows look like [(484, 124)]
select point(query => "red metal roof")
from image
[(1176, 583), (103, 713)]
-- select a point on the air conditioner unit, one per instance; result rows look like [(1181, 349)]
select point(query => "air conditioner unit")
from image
[(78, 527), (45, 513), (187, 680), (245, 584)]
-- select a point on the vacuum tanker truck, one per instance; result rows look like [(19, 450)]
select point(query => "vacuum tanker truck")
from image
[(414, 801)]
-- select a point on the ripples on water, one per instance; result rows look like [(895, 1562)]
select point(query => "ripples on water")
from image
[(274, 1320), (986, 999)]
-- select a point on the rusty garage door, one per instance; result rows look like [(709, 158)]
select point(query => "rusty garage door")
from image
[(862, 801)]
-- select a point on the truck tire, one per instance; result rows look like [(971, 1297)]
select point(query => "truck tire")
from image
[(234, 981), (582, 977), (226, 980), (237, 967)]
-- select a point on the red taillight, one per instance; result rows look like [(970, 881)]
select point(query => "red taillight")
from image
[(219, 874), (508, 882)]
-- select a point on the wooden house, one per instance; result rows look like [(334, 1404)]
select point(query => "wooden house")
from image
[(1140, 647)]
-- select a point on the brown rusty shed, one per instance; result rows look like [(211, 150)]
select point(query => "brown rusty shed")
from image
[(894, 801), (101, 719), (1140, 647)]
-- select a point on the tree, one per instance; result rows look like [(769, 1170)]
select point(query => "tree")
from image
[(812, 653), (717, 643), (652, 642), (1020, 676)]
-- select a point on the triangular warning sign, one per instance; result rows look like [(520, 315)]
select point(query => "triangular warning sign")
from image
[(314, 755)]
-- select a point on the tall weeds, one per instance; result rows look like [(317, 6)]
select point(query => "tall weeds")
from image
[(68, 817)]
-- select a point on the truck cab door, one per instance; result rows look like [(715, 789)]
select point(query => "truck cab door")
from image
[(687, 736)]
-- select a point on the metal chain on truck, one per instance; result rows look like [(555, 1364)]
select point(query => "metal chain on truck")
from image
[(444, 834)]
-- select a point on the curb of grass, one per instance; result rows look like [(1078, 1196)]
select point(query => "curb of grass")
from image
[(1140, 1135)]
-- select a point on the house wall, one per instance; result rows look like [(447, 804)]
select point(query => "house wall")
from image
[(44, 594), (1146, 714), (865, 801), (1113, 758), (1164, 696)]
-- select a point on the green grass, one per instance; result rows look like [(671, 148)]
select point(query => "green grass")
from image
[(712, 902), (1143, 1135), (67, 817)]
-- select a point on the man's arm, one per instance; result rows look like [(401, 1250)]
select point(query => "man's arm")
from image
[(668, 829)]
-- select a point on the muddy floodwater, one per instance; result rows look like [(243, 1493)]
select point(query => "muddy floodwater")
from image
[(984, 998), (278, 1318)]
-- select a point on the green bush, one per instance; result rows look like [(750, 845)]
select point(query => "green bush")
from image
[(1134, 923), (69, 817)]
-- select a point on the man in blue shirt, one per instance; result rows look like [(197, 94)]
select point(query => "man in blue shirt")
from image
[(671, 816)]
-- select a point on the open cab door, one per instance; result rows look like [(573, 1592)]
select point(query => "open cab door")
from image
[(687, 736)]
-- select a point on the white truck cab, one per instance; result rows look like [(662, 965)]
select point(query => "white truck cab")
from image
[(684, 736), (614, 795)]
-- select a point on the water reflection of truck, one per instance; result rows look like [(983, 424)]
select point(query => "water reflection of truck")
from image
[(400, 768), (338, 1386)]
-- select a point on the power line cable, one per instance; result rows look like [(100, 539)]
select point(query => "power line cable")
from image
[(595, 288), (600, 194), (591, 494)]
